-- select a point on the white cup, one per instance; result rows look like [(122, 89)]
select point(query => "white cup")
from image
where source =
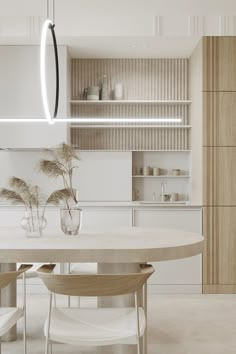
[(156, 171), (118, 91)]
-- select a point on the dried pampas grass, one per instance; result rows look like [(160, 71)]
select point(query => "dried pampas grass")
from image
[(11, 196)]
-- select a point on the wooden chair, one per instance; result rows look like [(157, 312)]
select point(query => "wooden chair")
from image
[(95, 326), (81, 268), (10, 315)]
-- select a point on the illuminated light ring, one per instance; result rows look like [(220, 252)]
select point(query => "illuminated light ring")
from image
[(48, 25)]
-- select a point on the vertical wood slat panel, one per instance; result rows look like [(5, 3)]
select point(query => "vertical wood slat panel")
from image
[(150, 79), (219, 139), (128, 139), (153, 79)]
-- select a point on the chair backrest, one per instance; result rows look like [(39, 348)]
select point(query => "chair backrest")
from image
[(94, 285), (7, 277)]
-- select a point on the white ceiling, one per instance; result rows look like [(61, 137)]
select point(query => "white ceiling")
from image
[(120, 28)]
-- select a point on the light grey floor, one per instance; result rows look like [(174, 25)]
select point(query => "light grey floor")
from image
[(178, 324)]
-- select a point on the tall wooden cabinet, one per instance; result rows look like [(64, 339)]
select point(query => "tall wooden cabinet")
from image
[(219, 164)]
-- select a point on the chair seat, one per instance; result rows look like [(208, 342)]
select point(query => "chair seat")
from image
[(8, 317), (84, 268), (94, 327)]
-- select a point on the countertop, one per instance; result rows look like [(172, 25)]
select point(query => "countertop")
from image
[(121, 204)]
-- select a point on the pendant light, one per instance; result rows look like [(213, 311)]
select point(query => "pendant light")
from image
[(48, 26)]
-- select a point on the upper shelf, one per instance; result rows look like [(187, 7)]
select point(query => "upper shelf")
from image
[(127, 102)]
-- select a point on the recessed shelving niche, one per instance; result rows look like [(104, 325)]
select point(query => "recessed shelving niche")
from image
[(152, 88), (147, 186)]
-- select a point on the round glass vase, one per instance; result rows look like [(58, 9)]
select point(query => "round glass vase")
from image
[(71, 221), (33, 223)]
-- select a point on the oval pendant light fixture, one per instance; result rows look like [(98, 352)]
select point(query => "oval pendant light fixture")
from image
[(48, 26)]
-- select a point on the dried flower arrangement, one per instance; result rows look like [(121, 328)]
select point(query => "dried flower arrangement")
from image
[(61, 164), (30, 196), (35, 202)]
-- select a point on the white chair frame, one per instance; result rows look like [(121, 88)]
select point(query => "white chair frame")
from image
[(11, 276)]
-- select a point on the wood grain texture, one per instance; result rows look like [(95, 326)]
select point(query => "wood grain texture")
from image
[(219, 161), (219, 63), (120, 245), (219, 289), (219, 127), (96, 285), (151, 79), (143, 79), (219, 187), (130, 138), (219, 262), (7, 277)]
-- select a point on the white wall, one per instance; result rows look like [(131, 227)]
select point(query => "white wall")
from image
[(101, 176), (22, 164)]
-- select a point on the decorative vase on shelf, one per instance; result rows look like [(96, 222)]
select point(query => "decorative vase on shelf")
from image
[(71, 221), (105, 94), (33, 223)]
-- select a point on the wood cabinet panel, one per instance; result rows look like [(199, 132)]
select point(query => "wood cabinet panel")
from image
[(219, 171), (219, 69), (219, 261), (219, 123)]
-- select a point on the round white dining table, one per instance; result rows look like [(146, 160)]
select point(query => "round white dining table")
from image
[(115, 250)]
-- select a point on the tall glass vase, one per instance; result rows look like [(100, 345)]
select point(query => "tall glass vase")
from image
[(71, 221)]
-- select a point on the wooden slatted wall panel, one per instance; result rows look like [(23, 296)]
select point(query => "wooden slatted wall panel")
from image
[(143, 79), (219, 150)]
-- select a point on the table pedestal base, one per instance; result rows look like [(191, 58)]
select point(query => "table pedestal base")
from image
[(122, 301)]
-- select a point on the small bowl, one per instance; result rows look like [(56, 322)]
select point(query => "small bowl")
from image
[(176, 172)]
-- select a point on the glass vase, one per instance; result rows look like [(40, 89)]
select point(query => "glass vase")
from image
[(71, 221), (33, 223)]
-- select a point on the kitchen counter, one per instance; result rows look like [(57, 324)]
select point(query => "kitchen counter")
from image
[(131, 204)]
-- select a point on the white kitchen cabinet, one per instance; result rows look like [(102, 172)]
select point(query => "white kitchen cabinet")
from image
[(177, 276), (20, 97), (106, 218)]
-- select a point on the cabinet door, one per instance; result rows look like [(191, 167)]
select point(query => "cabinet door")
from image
[(219, 119), (219, 187), (219, 63), (104, 176), (106, 218), (183, 275), (219, 261), (20, 97)]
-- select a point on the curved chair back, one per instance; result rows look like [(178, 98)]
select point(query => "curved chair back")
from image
[(7, 277), (95, 284)]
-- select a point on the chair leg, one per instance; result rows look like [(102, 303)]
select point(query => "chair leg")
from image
[(78, 301), (51, 348), (24, 317), (24, 336), (0, 347), (46, 347), (138, 324)]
